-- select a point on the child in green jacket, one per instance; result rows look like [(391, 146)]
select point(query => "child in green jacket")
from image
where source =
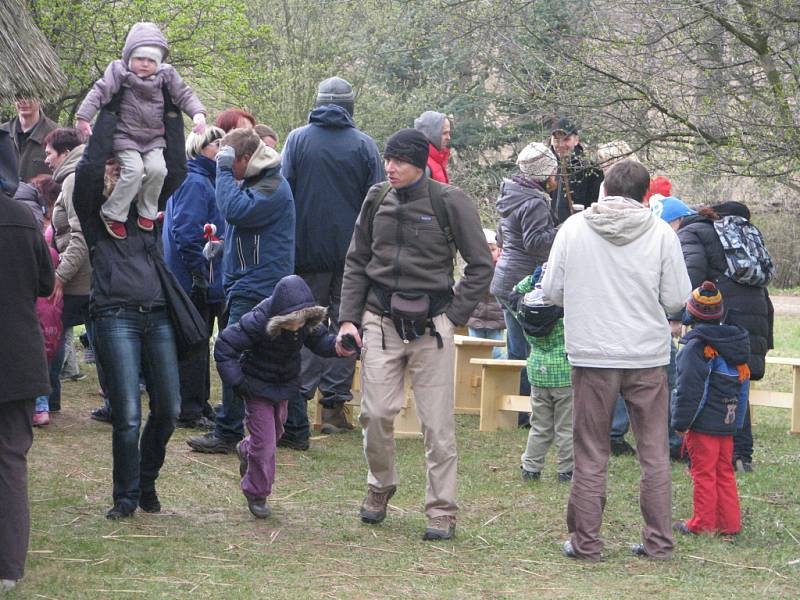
[(549, 374)]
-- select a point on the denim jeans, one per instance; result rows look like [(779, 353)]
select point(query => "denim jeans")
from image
[(517, 346), (54, 371), (229, 422), (619, 421), (125, 339), (490, 334), (743, 440)]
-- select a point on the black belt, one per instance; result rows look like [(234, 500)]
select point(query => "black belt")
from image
[(145, 309)]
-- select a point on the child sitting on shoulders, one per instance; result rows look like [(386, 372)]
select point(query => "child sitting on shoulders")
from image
[(712, 390), (139, 141), (260, 358), (550, 377)]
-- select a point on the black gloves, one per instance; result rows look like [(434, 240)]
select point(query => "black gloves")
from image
[(199, 291)]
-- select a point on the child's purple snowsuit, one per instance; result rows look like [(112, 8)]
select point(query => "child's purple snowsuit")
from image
[(141, 112), (261, 361)]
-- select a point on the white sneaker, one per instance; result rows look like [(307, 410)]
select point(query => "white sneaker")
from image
[(6, 585)]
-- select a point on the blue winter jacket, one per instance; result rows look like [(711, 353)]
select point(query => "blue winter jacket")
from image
[(260, 359), (330, 166), (188, 210), (259, 232), (723, 411)]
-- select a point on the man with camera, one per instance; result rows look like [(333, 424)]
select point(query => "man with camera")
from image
[(399, 290)]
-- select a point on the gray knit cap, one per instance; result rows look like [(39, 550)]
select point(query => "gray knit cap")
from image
[(537, 161), (338, 91)]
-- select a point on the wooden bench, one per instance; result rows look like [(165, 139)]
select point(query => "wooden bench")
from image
[(406, 423), (500, 398), (467, 376), (790, 400)]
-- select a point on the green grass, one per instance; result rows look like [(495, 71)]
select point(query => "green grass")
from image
[(206, 545)]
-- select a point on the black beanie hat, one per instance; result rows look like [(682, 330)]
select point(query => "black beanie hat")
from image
[(731, 208), (408, 145)]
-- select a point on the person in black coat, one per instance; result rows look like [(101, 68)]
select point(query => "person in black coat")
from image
[(27, 273), (748, 306), (259, 357)]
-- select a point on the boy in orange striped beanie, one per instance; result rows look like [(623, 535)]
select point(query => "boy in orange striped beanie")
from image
[(712, 390)]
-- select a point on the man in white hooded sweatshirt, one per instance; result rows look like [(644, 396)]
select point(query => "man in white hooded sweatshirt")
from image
[(617, 270)]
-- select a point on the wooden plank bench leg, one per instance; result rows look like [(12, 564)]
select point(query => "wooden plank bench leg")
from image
[(467, 375), (496, 383), (795, 400)]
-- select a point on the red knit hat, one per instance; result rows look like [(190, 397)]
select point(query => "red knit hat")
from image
[(705, 303), (659, 185)]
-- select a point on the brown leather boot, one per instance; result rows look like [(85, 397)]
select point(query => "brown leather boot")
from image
[(373, 508), (336, 420)]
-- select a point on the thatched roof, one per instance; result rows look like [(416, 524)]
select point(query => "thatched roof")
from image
[(28, 65)]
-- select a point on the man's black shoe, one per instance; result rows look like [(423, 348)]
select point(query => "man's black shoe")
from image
[(201, 422), (211, 443), (292, 444), (101, 414), (621, 448), (120, 511), (149, 503)]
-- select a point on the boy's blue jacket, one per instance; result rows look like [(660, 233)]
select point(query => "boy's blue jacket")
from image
[(259, 358), (192, 206), (731, 342), (259, 231)]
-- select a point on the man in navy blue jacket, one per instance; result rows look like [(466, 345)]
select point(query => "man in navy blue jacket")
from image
[(258, 251), (329, 165)]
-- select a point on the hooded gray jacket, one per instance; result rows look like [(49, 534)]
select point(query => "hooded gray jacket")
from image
[(617, 269), (141, 112), (528, 230), (74, 270)]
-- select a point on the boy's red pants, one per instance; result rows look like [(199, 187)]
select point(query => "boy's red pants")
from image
[(716, 502)]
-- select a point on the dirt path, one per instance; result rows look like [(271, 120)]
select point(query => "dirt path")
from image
[(786, 305)]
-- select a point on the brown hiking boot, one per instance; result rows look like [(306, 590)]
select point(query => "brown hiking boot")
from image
[(373, 508), (336, 420), (440, 528)]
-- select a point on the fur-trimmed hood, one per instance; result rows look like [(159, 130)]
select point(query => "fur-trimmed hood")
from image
[(291, 300), (264, 359), (313, 316)]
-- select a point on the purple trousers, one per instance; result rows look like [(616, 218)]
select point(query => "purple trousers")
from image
[(264, 420)]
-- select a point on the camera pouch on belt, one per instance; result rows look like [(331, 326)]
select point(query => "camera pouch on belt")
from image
[(410, 314)]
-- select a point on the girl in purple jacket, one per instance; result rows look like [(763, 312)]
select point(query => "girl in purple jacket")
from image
[(260, 358), (142, 78)]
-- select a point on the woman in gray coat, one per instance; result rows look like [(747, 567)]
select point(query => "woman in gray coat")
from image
[(528, 228)]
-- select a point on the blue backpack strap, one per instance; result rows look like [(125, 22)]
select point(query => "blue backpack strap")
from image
[(741, 405), (704, 399)]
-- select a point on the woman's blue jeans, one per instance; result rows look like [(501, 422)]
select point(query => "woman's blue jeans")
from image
[(126, 338)]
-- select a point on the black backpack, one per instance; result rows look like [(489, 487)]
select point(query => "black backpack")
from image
[(536, 318)]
